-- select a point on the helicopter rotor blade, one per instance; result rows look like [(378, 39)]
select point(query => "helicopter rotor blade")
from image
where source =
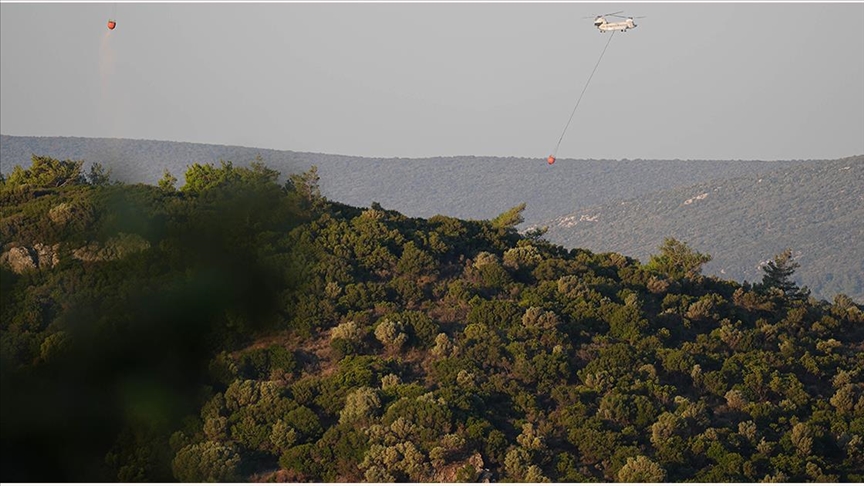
[(604, 15)]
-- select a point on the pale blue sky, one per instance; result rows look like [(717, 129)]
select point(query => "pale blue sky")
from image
[(693, 81)]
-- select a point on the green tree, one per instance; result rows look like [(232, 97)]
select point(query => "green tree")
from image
[(48, 172), (207, 462), (204, 177), (168, 182), (415, 261), (390, 333), (641, 469), (778, 275), (677, 260), (525, 256), (510, 218), (306, 186), (402, 461), (98, 175), (282, 437), (360, 405), (201, 177)]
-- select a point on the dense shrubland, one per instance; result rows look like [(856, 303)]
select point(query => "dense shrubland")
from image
[(239, 328)]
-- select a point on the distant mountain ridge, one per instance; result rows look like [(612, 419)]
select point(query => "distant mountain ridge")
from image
[(630, 205), (464, 187), (817, 210)]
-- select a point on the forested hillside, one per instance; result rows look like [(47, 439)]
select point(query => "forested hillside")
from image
[(242, 328), (815, 210), (462, 187)]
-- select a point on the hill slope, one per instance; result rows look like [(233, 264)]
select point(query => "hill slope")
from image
[(817, 210), (464, 187), (241, 330)]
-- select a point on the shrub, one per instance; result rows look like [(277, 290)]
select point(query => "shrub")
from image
[(640, 469), (207, 462)]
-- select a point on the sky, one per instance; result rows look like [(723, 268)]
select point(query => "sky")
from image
[(767, 81)]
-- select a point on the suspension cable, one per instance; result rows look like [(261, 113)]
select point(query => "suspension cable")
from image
[(555, 153)]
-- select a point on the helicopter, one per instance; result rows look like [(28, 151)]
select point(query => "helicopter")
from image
[(605, 26)]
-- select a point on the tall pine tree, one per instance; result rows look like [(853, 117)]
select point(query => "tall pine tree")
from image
[(778, 275)]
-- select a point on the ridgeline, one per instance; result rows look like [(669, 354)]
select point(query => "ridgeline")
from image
[(466, 187), (811, 206)]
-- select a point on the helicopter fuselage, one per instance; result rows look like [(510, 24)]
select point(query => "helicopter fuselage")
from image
[(605, 26)]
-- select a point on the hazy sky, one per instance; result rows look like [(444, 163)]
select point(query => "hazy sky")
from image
[(693, 81)]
